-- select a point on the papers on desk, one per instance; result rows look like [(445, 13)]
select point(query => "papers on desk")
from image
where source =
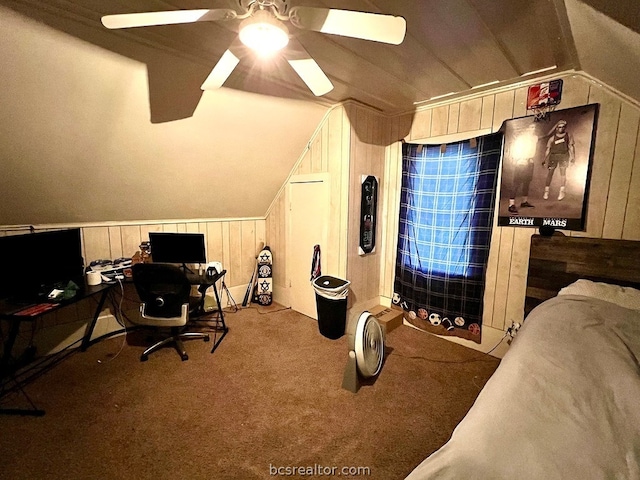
[(55, 294), (112, 270)]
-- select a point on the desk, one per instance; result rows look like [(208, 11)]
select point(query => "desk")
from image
[(16, 314), (205, 282)]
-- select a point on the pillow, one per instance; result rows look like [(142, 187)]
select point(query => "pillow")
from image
[(626, 297)]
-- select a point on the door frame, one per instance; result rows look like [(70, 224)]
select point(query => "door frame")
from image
[(323, 177)]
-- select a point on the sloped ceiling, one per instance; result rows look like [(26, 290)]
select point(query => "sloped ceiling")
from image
[(78, 142), (607, 39), (451, 46), (137, 91)]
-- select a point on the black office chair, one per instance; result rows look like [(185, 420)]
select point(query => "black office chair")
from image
[(165, 294)]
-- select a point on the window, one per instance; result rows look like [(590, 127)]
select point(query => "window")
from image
[(446, 217)]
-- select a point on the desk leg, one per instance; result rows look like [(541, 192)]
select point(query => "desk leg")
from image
[(216, 342), (14, 328), (32, 412), (203, 291), (5, 373), (86, 340)]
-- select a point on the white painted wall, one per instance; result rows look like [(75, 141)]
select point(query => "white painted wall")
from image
[(77, 143)]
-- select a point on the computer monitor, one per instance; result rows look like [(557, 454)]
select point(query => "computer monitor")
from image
[(32, 264), (180, 248)]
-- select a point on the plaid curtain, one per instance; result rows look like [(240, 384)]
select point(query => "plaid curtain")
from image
[(446, 218)]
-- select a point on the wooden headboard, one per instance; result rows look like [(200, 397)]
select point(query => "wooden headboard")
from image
[(557, 261)]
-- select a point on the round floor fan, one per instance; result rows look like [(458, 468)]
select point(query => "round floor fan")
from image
[(263, 30), (366, 351)]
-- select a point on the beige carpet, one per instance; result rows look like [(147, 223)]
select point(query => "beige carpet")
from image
[(269, 398)]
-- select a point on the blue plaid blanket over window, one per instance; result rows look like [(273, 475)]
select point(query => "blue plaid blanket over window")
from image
[(446, 218)]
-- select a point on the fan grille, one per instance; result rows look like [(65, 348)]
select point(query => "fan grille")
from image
[(369, 346)]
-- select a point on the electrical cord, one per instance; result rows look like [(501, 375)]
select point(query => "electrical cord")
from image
[(257, 309), (118, 314), (231, 303), (481, 357)]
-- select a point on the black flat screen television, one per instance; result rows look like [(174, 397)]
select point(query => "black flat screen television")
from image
[(32, 264), (177, 247)]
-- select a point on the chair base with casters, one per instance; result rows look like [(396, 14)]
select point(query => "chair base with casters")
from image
[(176, 338), (164, 291)]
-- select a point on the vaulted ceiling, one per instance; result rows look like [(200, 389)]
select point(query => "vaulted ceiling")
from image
[(452, 48)]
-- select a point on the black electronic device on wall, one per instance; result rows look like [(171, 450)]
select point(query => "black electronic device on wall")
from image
[(179, 248), (368, 215), (32, 264)]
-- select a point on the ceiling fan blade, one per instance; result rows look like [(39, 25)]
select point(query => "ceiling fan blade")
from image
[(311, 74), (221, 71), (147, 19), (367, 26)]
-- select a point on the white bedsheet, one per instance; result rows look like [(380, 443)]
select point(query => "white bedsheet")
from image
[(563, 404)]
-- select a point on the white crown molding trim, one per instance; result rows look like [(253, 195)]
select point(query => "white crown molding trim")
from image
[(51, 226), (613, 91), (488, 90)]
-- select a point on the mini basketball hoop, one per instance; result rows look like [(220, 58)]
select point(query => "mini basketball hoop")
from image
[(541, 112), (542, 98)]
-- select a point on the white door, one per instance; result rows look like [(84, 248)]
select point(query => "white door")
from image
[(309, 198)]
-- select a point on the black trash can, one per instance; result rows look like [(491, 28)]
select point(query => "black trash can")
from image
[(331, 303)]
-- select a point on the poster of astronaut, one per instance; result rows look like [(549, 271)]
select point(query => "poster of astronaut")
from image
[(546, 166)]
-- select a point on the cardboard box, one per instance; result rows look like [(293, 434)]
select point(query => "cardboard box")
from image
[(388, 317)]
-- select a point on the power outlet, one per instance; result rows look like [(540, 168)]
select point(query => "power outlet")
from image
[(513, 329)]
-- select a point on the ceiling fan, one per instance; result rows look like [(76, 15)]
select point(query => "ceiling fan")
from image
[(263, 30)]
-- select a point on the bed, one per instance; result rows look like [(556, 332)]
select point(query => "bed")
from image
[(565, 401)]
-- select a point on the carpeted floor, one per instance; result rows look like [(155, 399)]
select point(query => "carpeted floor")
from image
[(269, 398)]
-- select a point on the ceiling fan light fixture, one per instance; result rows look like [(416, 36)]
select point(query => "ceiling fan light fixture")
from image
[(263, 33)]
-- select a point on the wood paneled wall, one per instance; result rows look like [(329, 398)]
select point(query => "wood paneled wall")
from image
[(231, 241), (348, 144), (326, 152), (367, 157), (614, 196), (353, 140)]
